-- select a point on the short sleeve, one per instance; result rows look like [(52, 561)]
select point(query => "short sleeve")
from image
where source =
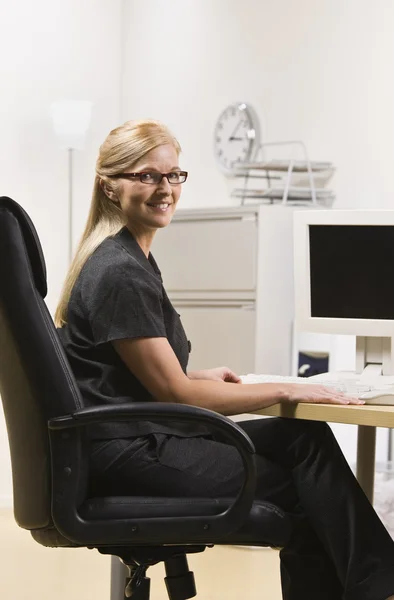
[(123, 302)]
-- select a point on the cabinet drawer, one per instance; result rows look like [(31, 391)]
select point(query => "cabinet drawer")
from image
[(210, 255), (220, 336)]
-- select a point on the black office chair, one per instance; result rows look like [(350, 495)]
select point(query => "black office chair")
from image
[(46, 424)]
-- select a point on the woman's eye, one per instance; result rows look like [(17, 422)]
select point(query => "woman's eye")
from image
[(173, 176), (147, 177)]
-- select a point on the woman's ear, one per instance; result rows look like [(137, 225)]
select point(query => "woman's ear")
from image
[(107, 191)]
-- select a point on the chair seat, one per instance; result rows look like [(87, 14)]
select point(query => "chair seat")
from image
[(266, 525)]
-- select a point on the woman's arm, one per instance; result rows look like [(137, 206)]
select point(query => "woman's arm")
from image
[(154, 363)]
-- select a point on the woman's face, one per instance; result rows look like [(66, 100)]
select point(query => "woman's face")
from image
[(150, 206)]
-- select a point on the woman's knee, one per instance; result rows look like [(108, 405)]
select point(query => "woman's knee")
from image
[(319, 428), (274, 438), (290, 427), (304, 433), (318, 437)]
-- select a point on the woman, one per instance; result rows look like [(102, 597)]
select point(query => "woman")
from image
[(125, 343)]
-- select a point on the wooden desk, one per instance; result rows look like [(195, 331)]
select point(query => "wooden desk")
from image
[(366, 417)]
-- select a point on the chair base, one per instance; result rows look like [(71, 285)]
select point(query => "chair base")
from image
[(179, 579)]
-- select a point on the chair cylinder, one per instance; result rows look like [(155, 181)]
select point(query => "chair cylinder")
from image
[(179, 582)]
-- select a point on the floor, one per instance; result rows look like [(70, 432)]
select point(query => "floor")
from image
[(32, 571)]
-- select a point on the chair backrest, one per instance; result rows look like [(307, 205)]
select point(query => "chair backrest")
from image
[(36, 382)]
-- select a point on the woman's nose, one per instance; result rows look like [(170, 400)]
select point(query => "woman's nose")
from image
[(164, 186)]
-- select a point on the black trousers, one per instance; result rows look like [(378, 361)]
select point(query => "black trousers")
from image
[(339, 548)]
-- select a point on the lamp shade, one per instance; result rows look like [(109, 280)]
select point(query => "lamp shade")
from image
[(71, 120)]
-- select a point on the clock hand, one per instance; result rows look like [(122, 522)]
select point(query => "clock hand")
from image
[(232, 136), (232, 139)]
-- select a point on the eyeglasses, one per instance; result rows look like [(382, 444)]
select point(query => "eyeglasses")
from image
[(153, 177)]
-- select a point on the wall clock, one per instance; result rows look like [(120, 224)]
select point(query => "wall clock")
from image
[(237, 135)]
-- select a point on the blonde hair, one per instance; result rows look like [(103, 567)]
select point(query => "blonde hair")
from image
[(123, 147)]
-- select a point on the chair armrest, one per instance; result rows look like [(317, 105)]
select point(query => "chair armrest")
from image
[(199, 529), (163, 411)]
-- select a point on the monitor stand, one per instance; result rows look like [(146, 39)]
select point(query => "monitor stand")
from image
[(373, 359), (374, 356)]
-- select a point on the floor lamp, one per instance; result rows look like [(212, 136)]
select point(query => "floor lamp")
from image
[(71, 120)]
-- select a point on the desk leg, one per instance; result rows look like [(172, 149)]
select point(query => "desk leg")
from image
[(366, 440)]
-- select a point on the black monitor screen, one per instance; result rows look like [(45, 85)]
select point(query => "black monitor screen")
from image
[(352, 271)]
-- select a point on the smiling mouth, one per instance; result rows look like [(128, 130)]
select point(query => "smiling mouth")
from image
[(160, 206)]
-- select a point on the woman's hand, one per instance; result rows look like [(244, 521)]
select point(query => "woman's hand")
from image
[(317, 394), (218, 374)]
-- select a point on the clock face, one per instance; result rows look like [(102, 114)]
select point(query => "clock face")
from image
[(236, 135)]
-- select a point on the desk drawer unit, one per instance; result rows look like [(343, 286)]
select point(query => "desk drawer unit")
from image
[(208, 254)]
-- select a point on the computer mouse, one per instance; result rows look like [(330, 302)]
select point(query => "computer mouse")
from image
[(384, 397)]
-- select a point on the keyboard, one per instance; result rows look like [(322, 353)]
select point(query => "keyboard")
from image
[(371, 392)]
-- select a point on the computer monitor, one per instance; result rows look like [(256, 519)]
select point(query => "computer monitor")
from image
[(344, 279)]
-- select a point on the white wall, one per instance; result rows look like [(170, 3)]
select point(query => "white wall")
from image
[(322, 72), (317, 71), (52, 50)]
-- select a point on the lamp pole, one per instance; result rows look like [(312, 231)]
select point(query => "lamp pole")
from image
[(71, 119)]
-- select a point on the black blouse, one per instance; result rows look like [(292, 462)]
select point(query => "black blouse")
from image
[(119, 294)]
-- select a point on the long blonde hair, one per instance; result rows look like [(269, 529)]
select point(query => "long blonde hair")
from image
[(123, 147)]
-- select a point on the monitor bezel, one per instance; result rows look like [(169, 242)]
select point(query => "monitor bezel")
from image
[(303, 319)]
